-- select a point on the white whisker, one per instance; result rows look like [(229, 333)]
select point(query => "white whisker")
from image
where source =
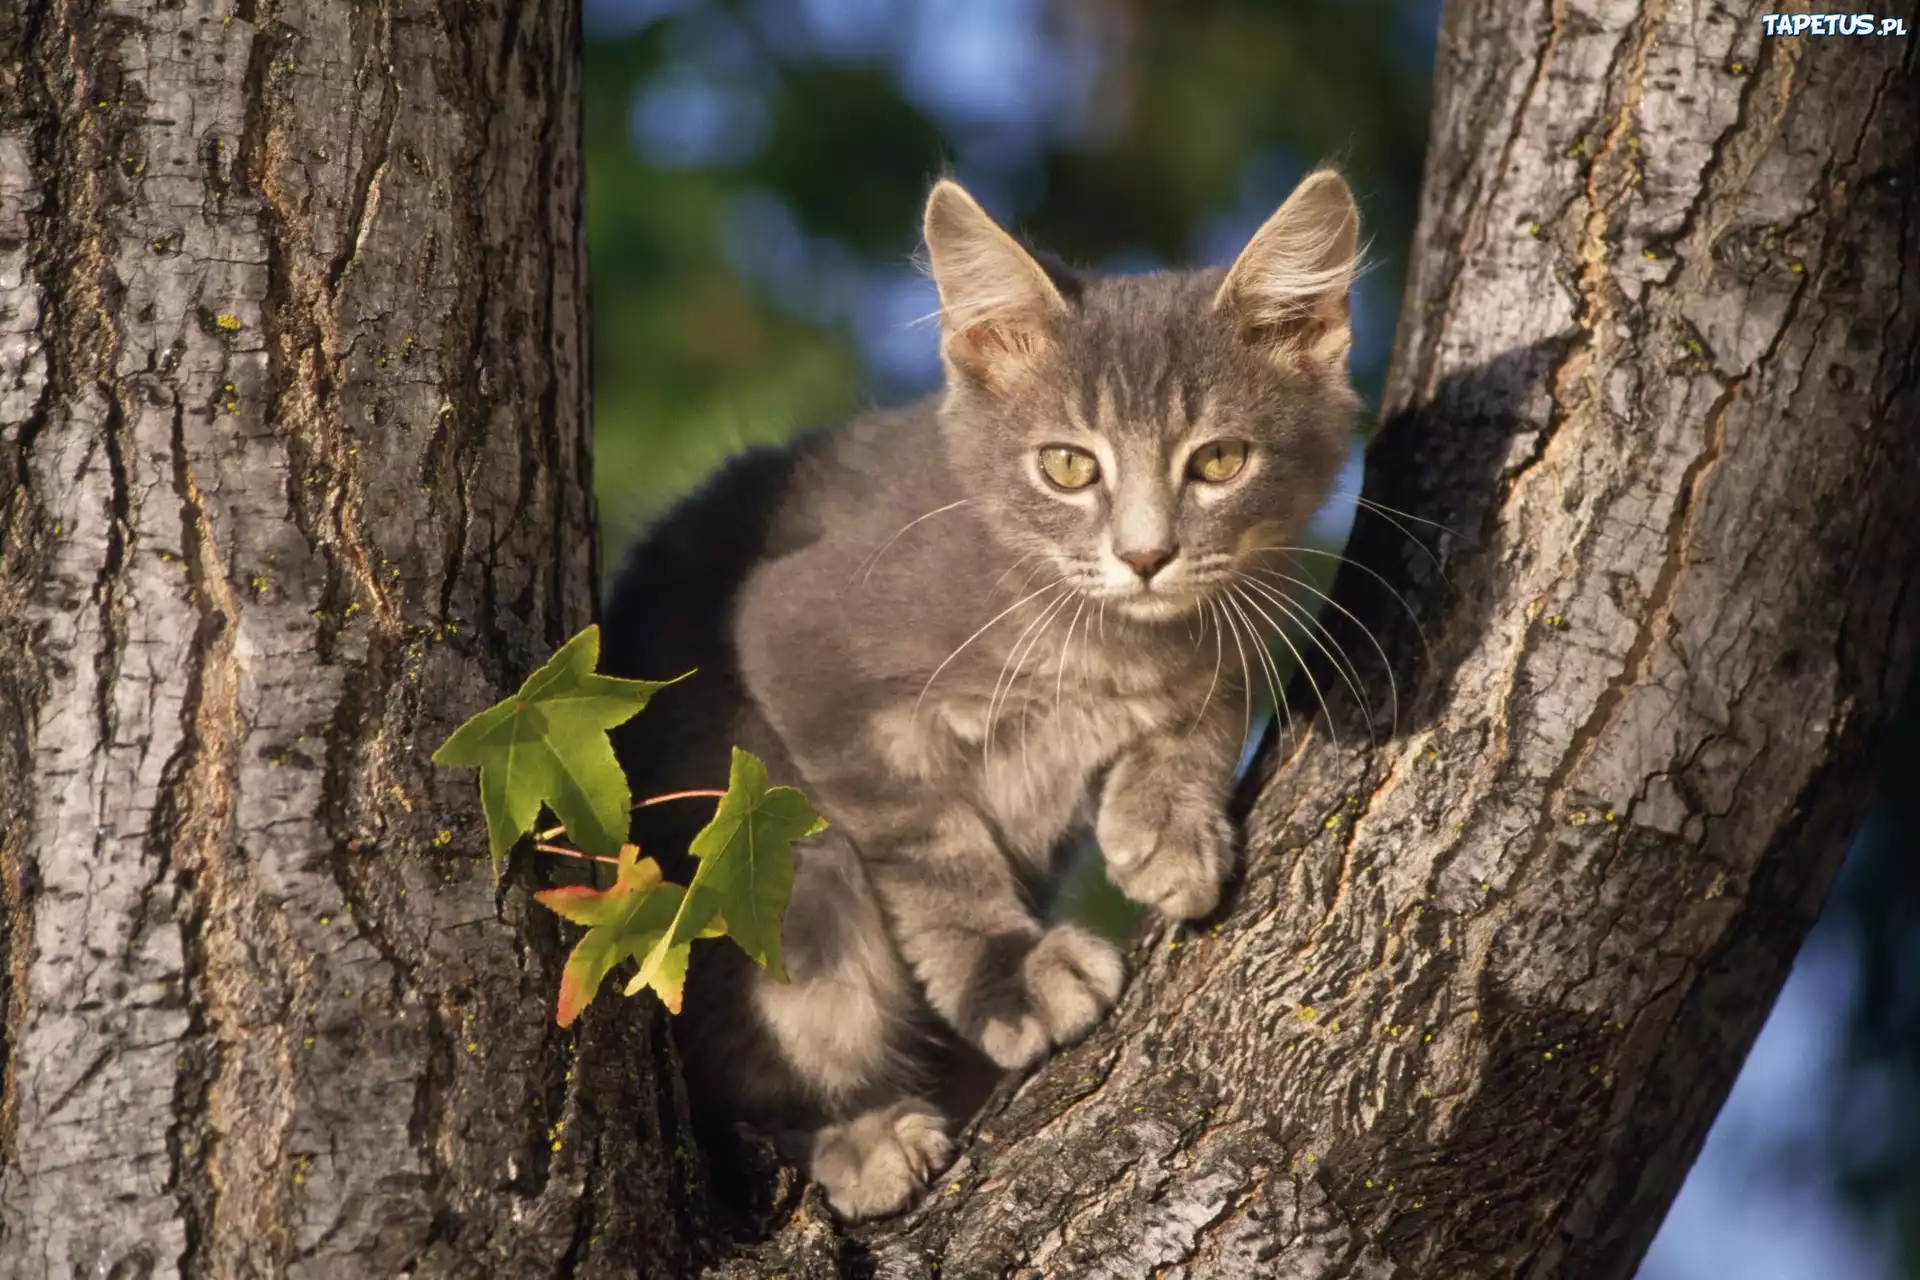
[(1218, 651), (1299, 662), (1018, 651), (1027, 700), (1060, 675), (872, 562), (1026, 703), (1393, 687), (1008, 571), (1312, 628), (945, 662), (1384, 509), (1384, 584), (1389, 515), (1035, 572), (1246, 676), (1268, 667)]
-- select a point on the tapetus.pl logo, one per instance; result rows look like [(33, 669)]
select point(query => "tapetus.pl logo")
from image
[(1832, 24)]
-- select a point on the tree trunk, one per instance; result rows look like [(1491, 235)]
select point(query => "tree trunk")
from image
[(292, 391), (296, 475)]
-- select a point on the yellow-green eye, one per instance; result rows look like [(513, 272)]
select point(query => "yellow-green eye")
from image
[(1068, 468), (1218, 462)]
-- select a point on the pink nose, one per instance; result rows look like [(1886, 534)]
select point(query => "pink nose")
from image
[(1149, 562)]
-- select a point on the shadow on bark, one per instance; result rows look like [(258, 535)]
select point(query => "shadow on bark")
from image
[(1435, 471)]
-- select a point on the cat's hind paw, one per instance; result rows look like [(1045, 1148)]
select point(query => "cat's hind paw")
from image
[(878, 1161)]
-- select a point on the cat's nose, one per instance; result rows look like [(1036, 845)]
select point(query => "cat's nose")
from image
[(1149, 562)]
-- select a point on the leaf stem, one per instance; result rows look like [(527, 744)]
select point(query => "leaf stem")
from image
[(565, 852), (679, 795), (551, 832)]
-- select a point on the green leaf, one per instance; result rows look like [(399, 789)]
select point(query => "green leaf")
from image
[(745, 875), (548, 744), (627, 922)]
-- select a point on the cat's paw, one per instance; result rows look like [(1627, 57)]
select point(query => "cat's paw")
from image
[(1164, 850), (1066, 983), (878, 1161)]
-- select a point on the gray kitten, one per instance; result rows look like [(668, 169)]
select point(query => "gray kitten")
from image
[(970, 628)]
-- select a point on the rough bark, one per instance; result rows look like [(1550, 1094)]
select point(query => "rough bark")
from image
[(294, 436), (1484, 986)]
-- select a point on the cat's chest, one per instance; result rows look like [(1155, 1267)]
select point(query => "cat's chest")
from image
[(1028, 757), (1049, 730)]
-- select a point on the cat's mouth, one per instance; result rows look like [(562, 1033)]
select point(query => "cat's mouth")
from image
[(1149, 603), (1175, 593)]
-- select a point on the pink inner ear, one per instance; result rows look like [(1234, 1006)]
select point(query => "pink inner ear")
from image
[(993, 339), (979, 348), (1300, 334)]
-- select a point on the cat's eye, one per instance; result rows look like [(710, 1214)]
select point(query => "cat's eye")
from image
[(1068, 468), (1218, 462)]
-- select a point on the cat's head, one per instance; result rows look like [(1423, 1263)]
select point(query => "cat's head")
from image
[(1148, 436)]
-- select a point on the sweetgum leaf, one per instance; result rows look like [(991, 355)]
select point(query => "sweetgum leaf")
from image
[(745, 875), (548, 744), (626, 922)]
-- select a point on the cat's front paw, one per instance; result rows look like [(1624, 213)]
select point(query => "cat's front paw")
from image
[(1165, 850), (1065, 984)]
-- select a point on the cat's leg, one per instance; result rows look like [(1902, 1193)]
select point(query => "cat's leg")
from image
[(843, 1024), (1162, 823), (846, 1038), (878, 1160), (828, 1062), (1008, 985)]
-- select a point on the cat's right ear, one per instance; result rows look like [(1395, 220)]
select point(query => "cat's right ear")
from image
[(1288, 288), (996, 301)]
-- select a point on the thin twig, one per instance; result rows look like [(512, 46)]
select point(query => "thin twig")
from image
[(678, 795), (551, 832), (565, 852)]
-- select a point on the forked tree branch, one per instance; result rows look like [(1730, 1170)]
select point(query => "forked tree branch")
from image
[(1486, 981)]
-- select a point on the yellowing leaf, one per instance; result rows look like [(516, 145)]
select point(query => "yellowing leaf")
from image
[(627, 921), (745, 874), (548, 744)]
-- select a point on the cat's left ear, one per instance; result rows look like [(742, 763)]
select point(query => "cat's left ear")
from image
[(1287, 291), (996, 301)]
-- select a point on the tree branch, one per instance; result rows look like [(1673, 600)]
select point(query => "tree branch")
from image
[(1483, 987)]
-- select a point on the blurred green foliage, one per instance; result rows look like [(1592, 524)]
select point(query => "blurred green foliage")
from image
[(1113, 133)]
